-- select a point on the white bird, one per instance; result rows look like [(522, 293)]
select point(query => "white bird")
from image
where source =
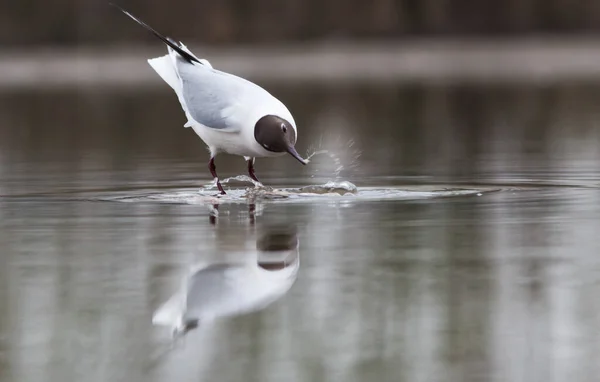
[(221, 290), (230, 114)]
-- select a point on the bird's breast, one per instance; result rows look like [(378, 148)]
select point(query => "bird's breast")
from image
[(241, 142)]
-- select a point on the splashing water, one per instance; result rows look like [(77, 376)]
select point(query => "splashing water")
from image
[(332, 187), (239, 178), (243, 178), (336, 156), (336, 161), (341, 188), (308, 156)]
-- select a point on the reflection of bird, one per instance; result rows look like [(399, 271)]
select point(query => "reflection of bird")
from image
[(229, 113), (221, 290)]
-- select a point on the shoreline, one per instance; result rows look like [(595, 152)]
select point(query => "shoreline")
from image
[(526, 61)]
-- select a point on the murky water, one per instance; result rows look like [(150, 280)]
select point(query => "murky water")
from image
[(468, 253)]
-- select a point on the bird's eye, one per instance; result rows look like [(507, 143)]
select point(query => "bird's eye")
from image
[(283, 128)]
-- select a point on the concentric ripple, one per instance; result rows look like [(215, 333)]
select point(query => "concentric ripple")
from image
[(330, 191)]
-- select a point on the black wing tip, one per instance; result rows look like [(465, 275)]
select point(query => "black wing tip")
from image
[(167, 40)]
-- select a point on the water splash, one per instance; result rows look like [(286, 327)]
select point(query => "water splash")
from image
[(329, 188), (239, 178), (339, 155), (334, 158), (243, 178), (342, 188), (308, 156)]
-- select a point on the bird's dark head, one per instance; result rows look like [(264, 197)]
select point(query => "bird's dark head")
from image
[(275, 240), (277, 135)]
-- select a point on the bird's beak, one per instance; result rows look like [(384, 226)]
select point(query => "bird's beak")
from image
[(292, 151)]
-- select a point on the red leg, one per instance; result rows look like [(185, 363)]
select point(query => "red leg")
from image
[(251, 170), (213, 216), (213, 172), (251, 213)]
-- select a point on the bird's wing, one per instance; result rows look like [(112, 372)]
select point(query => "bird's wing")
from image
[(209, 97), (219, 290), (212, 98)]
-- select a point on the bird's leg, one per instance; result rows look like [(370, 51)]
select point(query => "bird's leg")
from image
[(251, 170), (212, 218), (251, 213), (213, 172)]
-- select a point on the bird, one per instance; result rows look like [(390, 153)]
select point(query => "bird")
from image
[(209, 292), (230, 114)]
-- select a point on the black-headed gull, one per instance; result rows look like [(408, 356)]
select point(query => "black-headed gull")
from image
[(230, 289), (230, 114)]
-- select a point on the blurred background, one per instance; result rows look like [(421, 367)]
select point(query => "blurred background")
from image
[(233, 22), (487, 95), (459, 89)]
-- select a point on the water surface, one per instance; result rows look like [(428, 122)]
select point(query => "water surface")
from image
[(477, 286)]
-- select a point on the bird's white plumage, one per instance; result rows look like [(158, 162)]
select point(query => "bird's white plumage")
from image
[(220, 290), (221, 108)]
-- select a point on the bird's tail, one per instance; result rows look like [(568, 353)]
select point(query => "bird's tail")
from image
[(170, 312), (165, 69), (176, 46)]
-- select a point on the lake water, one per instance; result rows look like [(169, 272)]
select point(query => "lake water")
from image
[(416, 282)]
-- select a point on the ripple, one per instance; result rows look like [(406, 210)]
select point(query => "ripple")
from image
[(330, 191)]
